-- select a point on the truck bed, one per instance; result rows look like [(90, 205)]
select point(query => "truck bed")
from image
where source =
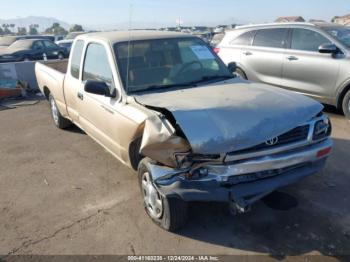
[(59, 65), (50, 76)]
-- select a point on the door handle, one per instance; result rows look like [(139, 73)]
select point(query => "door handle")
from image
[(247, 53), (292, 58), (80, 96)]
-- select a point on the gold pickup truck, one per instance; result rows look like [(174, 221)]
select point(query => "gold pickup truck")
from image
[(167, 106)]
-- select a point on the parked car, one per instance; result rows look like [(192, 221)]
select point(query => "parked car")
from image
[(32, 49), (73, 35), (312, 59), (164, 104), (6, 41), (216, 39), (67, 44)]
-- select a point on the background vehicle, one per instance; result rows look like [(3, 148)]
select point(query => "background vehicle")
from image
[(312, 59), (73, 35), (217, 38), (167, 106), (67, 44), (6, 41), (32, 49)]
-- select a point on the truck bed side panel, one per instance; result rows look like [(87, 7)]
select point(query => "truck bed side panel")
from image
[(52, 80)]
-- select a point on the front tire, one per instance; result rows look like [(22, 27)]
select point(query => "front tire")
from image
[(58, 119), (170, 213), (346, 105), (60, 56)]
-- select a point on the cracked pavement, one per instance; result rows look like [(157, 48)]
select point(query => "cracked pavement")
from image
[(62, 194)]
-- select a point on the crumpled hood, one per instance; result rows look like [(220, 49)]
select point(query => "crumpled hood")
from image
[(233, 115)]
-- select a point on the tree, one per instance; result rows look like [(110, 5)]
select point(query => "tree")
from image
[(1, 31), (7, 31), (333, 19), (12, 27), (56, 29), (76, 28), (33, 29), (21, 31)]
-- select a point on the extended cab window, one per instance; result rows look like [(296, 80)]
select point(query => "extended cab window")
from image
[(307, 40), (275, 37), (244, 39), (96, 65), (76, 58)]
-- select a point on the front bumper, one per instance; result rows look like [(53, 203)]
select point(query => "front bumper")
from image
[(246, 181)]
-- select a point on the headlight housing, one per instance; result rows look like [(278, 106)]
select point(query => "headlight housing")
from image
[(322, 129)]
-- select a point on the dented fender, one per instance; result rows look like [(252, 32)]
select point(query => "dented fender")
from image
[(160, 141)]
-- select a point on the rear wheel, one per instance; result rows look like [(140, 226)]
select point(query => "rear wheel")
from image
[(168, 213), (346, 105), (60, 56), (58, 119)]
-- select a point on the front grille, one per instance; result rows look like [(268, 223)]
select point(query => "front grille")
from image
[(296, 135)]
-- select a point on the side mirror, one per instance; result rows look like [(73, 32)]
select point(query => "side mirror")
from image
[(328, 49), (232, 67), (99, 88)]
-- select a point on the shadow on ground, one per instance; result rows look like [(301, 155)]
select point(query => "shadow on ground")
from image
[(312, 215)]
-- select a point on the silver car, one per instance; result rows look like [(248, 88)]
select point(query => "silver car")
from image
[(312, 59)]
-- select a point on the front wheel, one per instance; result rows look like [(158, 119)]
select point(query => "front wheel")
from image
[(60, 56), (168, 213), (58, 119), (346, 105)]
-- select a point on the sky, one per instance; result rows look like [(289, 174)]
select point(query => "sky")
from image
[(191, 12)]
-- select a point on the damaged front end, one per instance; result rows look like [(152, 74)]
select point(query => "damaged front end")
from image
[(241, 177), (232, 143)]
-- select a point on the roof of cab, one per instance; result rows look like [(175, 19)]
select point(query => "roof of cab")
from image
[(133, 35)]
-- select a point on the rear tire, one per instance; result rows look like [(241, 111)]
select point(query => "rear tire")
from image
[(346, 105), (58, 119), (60, 56), (240, 74), (170, 213)]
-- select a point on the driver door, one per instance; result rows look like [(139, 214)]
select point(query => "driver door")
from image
[(38, 50), (98, 115)]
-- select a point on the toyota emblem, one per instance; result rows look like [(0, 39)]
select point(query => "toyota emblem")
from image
[(272, 142)]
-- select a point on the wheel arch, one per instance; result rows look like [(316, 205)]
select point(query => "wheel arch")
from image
[(342, 94), (47, 92)]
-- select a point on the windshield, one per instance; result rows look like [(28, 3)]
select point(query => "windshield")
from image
[(165, 63), (7, 40), (342, 34), (21, 44)]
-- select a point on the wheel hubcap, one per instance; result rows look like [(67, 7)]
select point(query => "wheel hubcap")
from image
[(152, 198), (54, 111)]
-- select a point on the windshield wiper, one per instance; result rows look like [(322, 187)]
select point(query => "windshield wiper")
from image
[(189, 84), (211, 78)]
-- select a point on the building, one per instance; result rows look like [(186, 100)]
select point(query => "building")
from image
[(342, 20), (285, 19)]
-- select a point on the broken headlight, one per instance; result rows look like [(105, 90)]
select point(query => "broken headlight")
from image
[(322, 129), (183, 160)]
